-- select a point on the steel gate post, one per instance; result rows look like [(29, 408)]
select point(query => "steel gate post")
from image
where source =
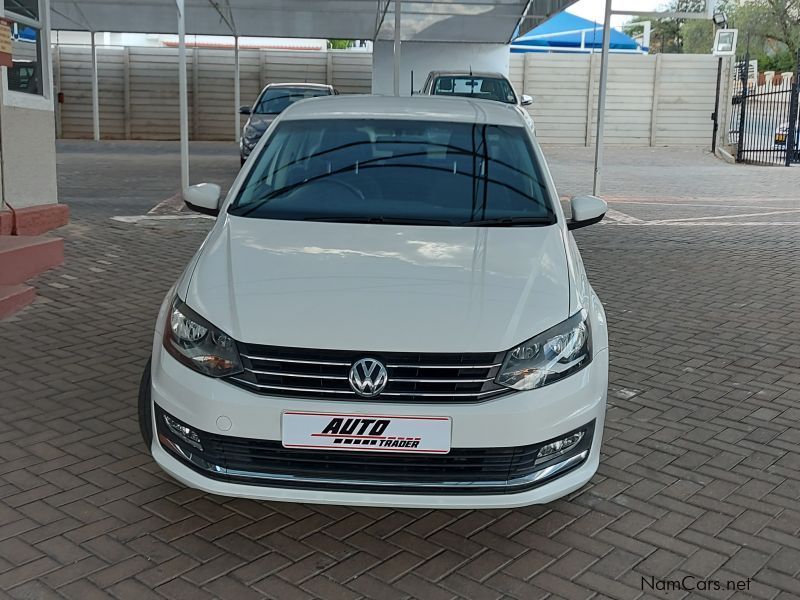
[(715, 114), (791, 148), (745, 71)]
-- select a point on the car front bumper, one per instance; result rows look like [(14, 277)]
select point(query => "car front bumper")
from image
[(520, 419)]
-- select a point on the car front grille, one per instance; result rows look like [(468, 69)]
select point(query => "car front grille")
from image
[(413, 377), (461, 471)]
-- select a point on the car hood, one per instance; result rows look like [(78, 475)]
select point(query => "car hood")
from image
[(260, 123), (380, 287)]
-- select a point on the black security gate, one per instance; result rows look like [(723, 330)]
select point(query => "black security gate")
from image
[(765, 123)]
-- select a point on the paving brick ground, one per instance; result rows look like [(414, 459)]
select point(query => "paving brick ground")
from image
[(700, 474)]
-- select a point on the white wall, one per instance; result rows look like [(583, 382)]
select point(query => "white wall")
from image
[(27, 133), (652, 100), (424, 57), (28, 146), (139, 87)]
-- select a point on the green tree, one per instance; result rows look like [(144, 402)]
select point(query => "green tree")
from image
[(698, 36), (339, 44), (773, 30), (667, 35)]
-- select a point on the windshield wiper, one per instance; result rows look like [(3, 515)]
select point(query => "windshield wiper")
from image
[(511, 222), (381, 220)]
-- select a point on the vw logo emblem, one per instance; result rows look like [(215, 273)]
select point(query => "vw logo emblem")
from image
[(368, 377)]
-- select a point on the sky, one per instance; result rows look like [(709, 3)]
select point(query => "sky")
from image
[(594, 10)]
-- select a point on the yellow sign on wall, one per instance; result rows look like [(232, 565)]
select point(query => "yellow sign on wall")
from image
[(5, 43)]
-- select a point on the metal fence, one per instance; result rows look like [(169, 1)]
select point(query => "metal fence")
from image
[(764, 123)]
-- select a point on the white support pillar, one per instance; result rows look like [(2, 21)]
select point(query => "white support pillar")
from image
[(397, 16), (236, 91), (601, 101), (95, 92), (183, 96)]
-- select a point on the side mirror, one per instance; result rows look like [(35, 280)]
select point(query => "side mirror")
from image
[(526, 100), (586, 210), (203, 198), (244, 110)]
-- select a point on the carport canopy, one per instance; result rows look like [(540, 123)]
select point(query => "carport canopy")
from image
[(475, 21), (488, 21)]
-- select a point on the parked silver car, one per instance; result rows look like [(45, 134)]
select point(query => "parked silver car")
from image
[(272, 101), (485, 86)]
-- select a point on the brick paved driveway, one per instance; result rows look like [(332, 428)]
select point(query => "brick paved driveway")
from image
[(701, 469)]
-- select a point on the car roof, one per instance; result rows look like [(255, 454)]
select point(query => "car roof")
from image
[(316, 86), (487, 74), (413, 108)]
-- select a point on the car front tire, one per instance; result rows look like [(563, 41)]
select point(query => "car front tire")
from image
[(146, 408)]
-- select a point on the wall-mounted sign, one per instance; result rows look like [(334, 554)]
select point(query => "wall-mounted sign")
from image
[(5, 43), (725, 42)]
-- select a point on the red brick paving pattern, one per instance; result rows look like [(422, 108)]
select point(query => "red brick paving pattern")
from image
[(700, 474)]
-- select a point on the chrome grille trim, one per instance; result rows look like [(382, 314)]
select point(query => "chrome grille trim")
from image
[(306, 375), (444, 366), (309, 373), (404, 380), (262, 386), (347, 364), (349, 392), (300, 362), (343, 378)]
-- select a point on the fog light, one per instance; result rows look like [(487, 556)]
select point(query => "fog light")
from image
[(553, 449), (183, 432)]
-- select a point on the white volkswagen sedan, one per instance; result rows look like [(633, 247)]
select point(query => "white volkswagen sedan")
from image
[(389, 311)]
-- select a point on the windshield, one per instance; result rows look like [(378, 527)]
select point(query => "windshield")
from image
[(276, 100), (483, 88), (424, 172)]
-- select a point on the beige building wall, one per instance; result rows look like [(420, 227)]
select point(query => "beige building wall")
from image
[(27, 130), (28, 155)]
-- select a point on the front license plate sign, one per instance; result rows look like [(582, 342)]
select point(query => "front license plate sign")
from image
[(366, 433)]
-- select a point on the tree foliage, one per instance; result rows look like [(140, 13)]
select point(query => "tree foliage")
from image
[(339, 44), (698, 37), (771, 26), (667, 35)]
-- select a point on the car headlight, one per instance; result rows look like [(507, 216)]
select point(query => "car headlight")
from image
[(198, 344), (558, 352), (252, 135)]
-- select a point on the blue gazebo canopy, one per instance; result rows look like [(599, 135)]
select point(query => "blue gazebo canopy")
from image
[(566, 32)]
